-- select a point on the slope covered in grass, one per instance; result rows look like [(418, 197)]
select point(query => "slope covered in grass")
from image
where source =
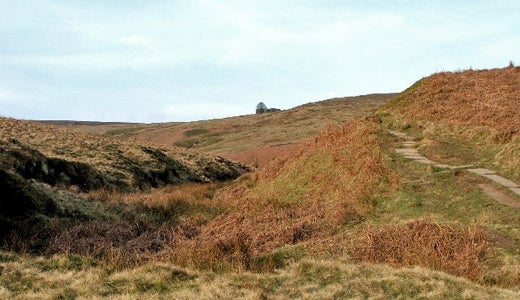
[(252, 139), (45, 172), (466, 117), (340, 215), (297, 200), (57, 156)]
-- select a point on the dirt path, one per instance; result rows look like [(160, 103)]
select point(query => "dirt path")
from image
[(498, 195), (410, 151)]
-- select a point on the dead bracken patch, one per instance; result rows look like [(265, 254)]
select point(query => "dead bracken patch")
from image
[(294, 200), (476, 98), (476, 109), (424, 243)]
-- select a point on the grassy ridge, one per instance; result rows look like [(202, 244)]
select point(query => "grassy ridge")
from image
[(468, 117), (116, 164)]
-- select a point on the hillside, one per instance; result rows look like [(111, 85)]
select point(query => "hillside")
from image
[(475, 111), (337, 214), (252, 139), (45, 172), (57, 156)]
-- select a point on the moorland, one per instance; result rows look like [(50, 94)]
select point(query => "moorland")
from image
[(312, 202)]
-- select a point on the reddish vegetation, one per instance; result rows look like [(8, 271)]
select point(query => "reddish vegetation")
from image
[(474, 98), (331, 196), (263, 155), (425, 243)]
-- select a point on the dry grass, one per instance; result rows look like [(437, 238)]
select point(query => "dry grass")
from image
[(422, 242), (121, 161), (302, 198), (263, 155), (140, 227), (487, 98), (311, 198), (477, 108), (71, 277), (243, 135)]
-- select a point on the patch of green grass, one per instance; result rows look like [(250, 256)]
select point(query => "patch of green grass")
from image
[(451, 149), (68, 294), (123, 131), (72, 262), (189, 143), (277, 259), (8, 257), (195, 132)]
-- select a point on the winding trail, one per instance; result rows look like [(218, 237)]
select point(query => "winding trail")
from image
[(410, 151)]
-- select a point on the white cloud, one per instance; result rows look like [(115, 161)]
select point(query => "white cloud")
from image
[(137, 41), (10, 96), (202, 51)]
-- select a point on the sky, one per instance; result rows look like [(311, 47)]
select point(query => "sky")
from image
[(169, 61)]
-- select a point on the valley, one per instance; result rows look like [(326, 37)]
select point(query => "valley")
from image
[(319, 201)]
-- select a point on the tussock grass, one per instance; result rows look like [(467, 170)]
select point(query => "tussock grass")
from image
[(72, 277)]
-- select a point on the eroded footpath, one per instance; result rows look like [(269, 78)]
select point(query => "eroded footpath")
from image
[(410, 151)]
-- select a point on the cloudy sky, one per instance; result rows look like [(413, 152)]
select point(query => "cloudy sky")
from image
[(157, 61)]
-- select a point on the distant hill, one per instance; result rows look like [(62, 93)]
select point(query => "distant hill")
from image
[(253, 139), (83, 123)]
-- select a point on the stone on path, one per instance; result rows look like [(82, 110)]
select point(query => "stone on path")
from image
[(482, 171), (442, 166), (409, 144), (407, 151), (516, 190), (400, 135), (501, 180), (425, 161)]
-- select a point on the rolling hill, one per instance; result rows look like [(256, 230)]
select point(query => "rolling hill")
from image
[(331, 211), (252, 139)]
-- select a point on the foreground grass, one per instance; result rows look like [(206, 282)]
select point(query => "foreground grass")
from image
[(72, 277)]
